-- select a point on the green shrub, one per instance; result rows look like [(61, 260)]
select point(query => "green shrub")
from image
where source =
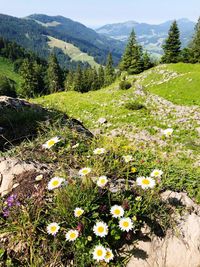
[(125, 85), (134, 105), (7, 86)]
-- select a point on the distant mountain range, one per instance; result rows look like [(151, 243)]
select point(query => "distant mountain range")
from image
[(72, 41), (75, 43), (149, 35)]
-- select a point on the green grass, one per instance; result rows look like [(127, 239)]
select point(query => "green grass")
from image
[(138, 121), (72, 51), (111, 103), (6, 68), (183, 90)]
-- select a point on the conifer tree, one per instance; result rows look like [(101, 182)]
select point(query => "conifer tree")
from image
[(69, 86), (78, 79), (195, 44), (147, 63), (101, 76), (172, 46), (132, 60), (54, 75), (95, 80), (109, 70), (29, 84)]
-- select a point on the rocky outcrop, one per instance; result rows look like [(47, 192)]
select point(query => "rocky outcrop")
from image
[(12, 171), (180, 247), (7, 102)]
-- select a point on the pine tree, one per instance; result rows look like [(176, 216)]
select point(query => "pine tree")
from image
[(109, 71), (147, 61), (195, 44), (172, 46), (132, 60), (69, 81), (95, 80), (29, 84), (78, 79), (101, 76), (54, 75)]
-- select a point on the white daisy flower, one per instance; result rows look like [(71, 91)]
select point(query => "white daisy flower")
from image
[(156, 173), (71, 235), (100, 229), (126, 224), (55, 182), (99, 151), (127, 158), (78, 212), (145, 182), (167, 132), (102, 120), (99, 253), (109, 255), (117, 211), (53, 228), (51, 142), (102, 181), (84, 171), (39, 177)]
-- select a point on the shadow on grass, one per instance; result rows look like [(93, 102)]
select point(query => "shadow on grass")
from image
[(17, 125)]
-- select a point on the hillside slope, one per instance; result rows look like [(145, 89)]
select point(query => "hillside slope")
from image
[(139, 116), (32, 33), (6, 69)]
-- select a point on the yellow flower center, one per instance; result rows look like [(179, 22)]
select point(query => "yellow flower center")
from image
[(133, 170), (99, 253), (146, 181), (53, 228), (79, 212), (55, 183), (85, 171), (100, 229), (125, 224), (72, 235), (117, 212), (102, 181), (51, 142), (108, 254)]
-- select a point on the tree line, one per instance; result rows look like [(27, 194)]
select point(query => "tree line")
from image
[(42, 77)]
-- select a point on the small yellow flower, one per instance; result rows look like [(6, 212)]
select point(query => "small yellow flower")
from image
[(71, 235), (100, 229), (109, 255), (99, 253), (126, 224), (55, 183), (102, 181), (99, 151), (133, 170), (84, 171), (51, 142), (53, 228), (78, 212), (117, 211), (145, 182)]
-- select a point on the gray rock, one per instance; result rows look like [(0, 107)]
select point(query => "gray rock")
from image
[(179, 248)]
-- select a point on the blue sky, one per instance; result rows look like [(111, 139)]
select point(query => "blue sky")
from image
[(99, 12)]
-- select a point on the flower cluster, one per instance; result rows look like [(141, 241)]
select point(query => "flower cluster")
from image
[(10, 202)]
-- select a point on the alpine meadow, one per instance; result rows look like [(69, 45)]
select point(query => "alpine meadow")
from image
[(100, 134)]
